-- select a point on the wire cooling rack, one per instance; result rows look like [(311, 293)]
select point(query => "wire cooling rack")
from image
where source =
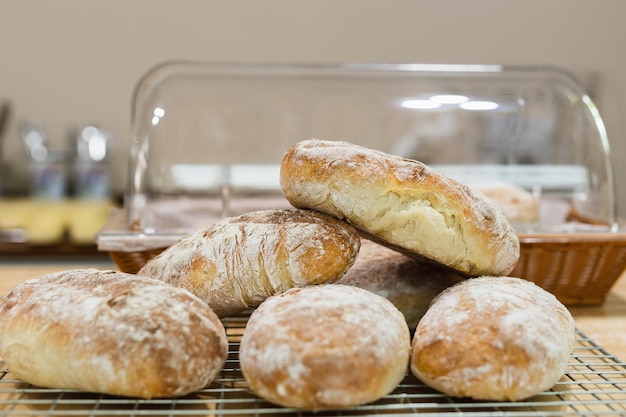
[(594, 385)]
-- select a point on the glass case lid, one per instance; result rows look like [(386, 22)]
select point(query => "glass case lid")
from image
[(212, 135)]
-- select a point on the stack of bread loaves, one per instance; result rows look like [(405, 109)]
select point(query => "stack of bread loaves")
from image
[(428, 254), (490, 337)]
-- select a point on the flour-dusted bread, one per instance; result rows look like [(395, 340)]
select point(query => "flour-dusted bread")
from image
[(235, 264), (493, 338), (518, 204), (325, 347), (110, 332), (408, 283), (401, 203)]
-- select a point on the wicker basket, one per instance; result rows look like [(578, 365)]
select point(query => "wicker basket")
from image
[(132, 262), (577, 269)]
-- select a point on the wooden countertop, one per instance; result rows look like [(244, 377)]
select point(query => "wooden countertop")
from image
[(605, 324)]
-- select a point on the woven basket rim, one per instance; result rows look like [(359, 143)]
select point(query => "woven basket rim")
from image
[(572, 237)]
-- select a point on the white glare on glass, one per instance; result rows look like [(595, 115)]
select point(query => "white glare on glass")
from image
[(34, 139), (39, 154), (420, 104), (97, 150), (449, 67), (479, 105), (449, 98), (89, 133), (158, 113)]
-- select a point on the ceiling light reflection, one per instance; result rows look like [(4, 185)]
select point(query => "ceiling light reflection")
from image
[(450, 98), (479, 105), (420, 104), (158, 113)]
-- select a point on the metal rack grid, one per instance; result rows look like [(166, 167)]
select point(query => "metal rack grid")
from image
[(594, 385)]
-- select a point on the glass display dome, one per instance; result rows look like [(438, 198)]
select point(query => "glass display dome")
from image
[(206, 131)]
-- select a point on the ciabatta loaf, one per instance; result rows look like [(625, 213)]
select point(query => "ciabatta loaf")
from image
[(110, 332), (235, 264), (493, 338), (325, 347), (401, 203), (409, 284)]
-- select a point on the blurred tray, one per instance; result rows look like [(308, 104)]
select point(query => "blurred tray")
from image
[(594, 384)]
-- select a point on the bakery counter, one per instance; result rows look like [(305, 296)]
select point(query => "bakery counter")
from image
[(604, 324)]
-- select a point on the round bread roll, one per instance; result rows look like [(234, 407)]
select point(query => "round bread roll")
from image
[(518, 204), (493, 338), (325, 347), (401, 203), (409, 284), (110, 332), (235, 264)]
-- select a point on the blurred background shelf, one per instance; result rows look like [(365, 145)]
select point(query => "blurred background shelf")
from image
[(39, 229), (53, 251)]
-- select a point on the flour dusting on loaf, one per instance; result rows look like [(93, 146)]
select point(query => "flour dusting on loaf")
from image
[(235, 264), (493, 338), (325, 347), (401, 203), (110, 332)]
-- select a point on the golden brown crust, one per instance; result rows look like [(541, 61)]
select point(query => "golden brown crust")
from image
[(493, 338), (110, 332), (401, 203), (235, 264), (325, 347), (408, 283)]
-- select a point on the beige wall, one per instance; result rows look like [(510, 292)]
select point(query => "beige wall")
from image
[(71, 62)]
